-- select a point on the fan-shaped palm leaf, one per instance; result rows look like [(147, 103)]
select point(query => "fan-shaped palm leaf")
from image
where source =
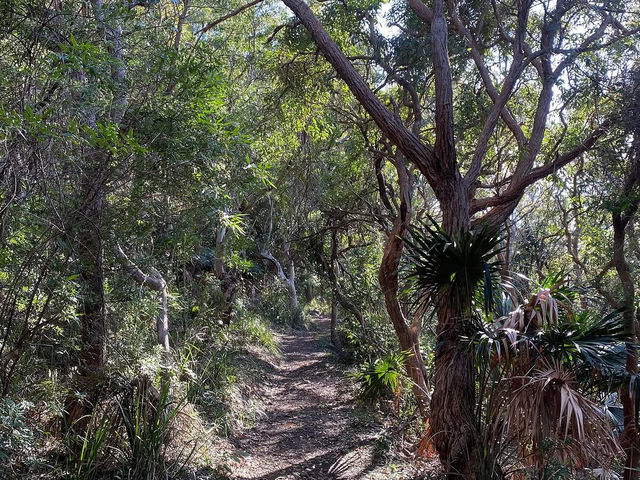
[(548, 407)]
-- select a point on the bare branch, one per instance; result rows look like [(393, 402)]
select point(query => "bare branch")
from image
[(268, 256), (156, 282), (516, 188), (445, 149), (229, 15), (499, 99)]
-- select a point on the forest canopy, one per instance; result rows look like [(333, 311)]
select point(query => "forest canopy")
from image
[(212, 210)]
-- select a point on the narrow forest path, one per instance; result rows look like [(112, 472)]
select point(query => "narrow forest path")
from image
[(312, 429)]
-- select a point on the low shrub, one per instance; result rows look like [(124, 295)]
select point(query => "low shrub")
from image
[(381, 379)]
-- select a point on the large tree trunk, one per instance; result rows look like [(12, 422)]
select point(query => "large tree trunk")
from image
[(407, 337), (86, 232), (85, 238), (89, 255), (453, 401)]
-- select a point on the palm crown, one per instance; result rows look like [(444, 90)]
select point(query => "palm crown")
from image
[(543, 368)]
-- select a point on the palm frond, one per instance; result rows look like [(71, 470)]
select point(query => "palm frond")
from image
[(589, 341), (459, 267), (538, 368), (549, 412)]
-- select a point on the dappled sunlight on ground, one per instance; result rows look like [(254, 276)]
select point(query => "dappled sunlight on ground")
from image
[(312, 428)]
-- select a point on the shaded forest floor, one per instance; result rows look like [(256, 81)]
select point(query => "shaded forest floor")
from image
[(312, 428)]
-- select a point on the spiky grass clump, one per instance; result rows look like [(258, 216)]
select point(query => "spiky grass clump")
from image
[(457, 268)]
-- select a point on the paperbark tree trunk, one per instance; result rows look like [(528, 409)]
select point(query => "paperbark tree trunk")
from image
[(289, 281), (89, 251), (86, 231)]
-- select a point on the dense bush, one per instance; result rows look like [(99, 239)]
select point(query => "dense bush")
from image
[(17, 436), (275, 304), (381, 379)]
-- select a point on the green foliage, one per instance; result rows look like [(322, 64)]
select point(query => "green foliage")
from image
[(89, 461), (17, 436), (254, 330), (379, 340), (275, 304), (217, 383), (128, 434), (542, 370), (147, 415), (381, 379), (245, 130), (441, 266)]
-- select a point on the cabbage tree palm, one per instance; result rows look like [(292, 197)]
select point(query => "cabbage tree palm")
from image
[(445, 273), (545, 370), (541, 370)]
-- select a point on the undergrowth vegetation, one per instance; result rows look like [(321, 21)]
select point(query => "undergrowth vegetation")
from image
[(150, 421), (454, 184)]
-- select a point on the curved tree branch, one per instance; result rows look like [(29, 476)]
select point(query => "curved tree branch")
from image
[(155, 282), (229, 15)]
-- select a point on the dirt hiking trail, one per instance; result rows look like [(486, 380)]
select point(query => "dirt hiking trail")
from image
[(312, 428)]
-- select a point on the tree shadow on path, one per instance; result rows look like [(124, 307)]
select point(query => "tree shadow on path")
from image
[(311, 429)]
